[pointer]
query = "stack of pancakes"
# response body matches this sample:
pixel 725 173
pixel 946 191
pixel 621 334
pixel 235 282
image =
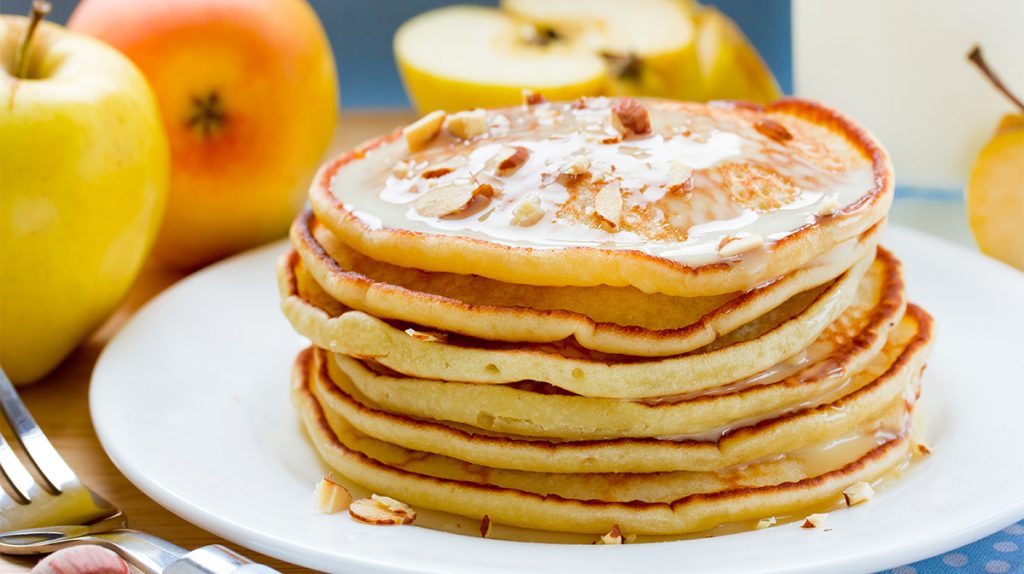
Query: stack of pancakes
pixel 566 316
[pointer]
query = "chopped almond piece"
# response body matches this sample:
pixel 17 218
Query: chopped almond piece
pixel 419 133
pixel 392 504
pixel 373 511
pixel 773 130
pixel 765 523
pixel 401 169
pixel 528 212
pixel 857 493
pixel 532 98
pixel 468 125
pixel 829 205
pixel 330 497
pixel 814 521
pixel 923 449
pixel 614 536
pixel 678 174
pixel 629 117
pixel 436 172
pixel 485 526
pixel 428 337
pixel 450 198
pixel 733 245
pixel 608 203
pixel 578 166
pixel 510 159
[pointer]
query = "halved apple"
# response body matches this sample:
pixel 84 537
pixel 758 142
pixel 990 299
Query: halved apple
pixel 730 67
pixel 467 56
pixel 462 57
pixel 647 45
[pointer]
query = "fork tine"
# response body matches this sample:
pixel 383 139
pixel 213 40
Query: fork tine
pixel 17 477
pixel 55 472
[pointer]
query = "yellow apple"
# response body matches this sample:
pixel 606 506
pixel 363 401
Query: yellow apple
pixel 730 67
pixel 248 94
pixel 995 194
pixel 84 178
pixel 995 189
pixel 461 57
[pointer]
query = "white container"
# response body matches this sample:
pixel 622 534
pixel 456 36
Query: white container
pixel 899 67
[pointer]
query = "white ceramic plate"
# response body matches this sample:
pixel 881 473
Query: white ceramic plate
pixel 191 402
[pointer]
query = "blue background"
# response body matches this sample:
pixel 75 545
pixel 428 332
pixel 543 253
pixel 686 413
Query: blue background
pixel 361 31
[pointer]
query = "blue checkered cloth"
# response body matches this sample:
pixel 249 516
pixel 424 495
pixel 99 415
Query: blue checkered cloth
pixel 1001 553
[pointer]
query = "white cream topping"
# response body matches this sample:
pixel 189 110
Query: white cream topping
pixel 734 180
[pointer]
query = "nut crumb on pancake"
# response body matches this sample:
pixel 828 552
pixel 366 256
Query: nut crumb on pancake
pixel 468 124
pixel 532 98
pixel 419 133
pixel 485 526
pixel 510 158
pixel 450 198
pixel 857 493
pixel 614 536
pixel 829 206
pixel 528 212
pixel 773 130
pixel 765 523
pixel 401 169
pixel 435 337
pixel 608 204
pixel 733 245
pixel 629 117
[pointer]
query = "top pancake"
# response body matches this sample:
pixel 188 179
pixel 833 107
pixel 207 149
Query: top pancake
pixel 717 197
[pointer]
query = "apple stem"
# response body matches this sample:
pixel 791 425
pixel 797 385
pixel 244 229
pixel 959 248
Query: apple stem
pixel 978 60
pixel 39 10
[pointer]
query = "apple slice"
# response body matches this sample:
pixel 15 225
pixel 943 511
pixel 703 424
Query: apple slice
pixel 647 44
pixel 730 67
pixel 463 57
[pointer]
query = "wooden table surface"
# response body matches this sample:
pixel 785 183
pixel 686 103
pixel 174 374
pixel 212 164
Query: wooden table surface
pixel 60 401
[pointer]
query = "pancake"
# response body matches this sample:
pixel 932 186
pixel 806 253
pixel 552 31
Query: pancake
pixel 781 333
pixel 846 347
pixel 662 503
pixel 711 199
pixel 617 320
pixel 867 393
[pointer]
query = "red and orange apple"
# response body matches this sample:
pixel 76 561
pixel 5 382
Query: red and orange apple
pixel 248 94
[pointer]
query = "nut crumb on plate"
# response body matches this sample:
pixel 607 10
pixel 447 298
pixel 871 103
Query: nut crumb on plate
pixel 814 520
pixel 381 510
pixel 330 497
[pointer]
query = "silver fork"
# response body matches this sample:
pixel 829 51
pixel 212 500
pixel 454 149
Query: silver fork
pixel 48 508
